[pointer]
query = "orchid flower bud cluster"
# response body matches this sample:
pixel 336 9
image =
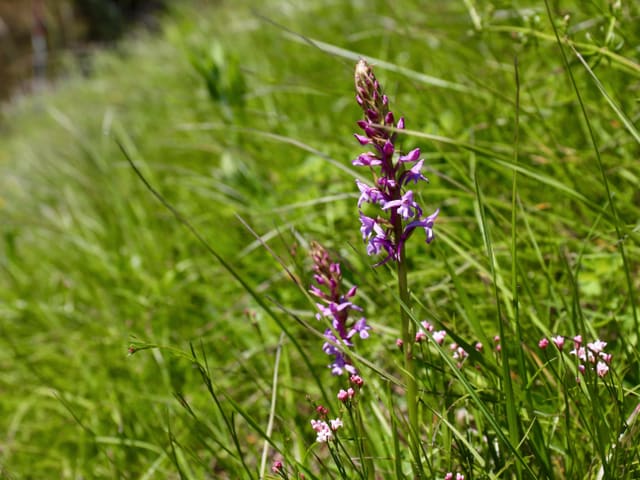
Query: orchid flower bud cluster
pixel 337 307
pixel 400 214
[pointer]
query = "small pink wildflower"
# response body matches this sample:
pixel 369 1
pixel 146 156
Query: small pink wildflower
pixel 544 343
pixel 594 354
pixel 597 346
pixel 276 467
pixel 558 340
pixel 449 476
pixel 356 380
pixel 323 431
pixel 336 424
pixel 399 343
pixel 479 346
pixel 427 326
pixel 606 357
pixel 344 395
pixel 602 369
pixel 324 435
pixel 439 336
pixel 322 411
pixel 579 352
pixel 583 354
pixel 459 353
pixel 421 336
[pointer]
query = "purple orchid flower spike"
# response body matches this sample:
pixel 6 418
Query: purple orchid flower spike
pixel 336 307
pixel 401 213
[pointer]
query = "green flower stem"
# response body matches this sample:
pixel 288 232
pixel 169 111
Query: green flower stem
pixel 408 338
pixel 367 470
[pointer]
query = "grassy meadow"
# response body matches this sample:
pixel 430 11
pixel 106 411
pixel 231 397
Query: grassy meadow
pixel 172 335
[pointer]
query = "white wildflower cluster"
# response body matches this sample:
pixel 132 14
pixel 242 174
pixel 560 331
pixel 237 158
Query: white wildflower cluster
pixel 325 430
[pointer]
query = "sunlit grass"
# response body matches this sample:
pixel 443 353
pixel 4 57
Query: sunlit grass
pixel 243 120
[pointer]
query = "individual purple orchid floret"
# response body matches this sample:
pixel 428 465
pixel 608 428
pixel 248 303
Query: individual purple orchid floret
pixel 406 207
pixel 368 194
pixel 425 223
pixel 386 234
pixel 367 160
pixel 412 156
pixel 367 227
pixel 414 174
pixel 380 242
pixel 361 328
pixel 336 307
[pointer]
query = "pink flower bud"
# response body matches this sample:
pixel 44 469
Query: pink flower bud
pixel 276 467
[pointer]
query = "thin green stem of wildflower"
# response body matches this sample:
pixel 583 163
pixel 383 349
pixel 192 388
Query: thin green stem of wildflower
pixel 336 458
pixel 358 432
pixel 366 458
pixel 408 337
